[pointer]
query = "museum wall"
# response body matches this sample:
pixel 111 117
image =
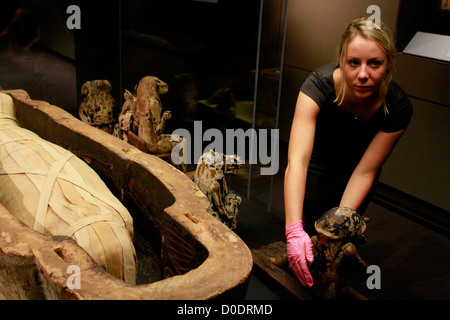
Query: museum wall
pixel 419 166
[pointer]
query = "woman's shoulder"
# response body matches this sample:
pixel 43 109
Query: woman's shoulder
pixel 319 85
pixel 396 96
pixel 396 91
pixel 399 109
pixel 325 72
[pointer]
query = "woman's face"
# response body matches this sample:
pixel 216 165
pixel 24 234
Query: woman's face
pixel 365 67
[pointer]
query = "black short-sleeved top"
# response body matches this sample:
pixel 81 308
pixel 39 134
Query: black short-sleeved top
pixel 340 140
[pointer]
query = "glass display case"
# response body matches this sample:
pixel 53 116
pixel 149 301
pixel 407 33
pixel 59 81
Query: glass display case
pixel 221 61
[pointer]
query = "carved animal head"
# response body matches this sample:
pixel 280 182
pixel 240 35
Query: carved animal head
pixel 227 163
pixel 95 86
pixel 127 118
pixel 152 86
pixel 98 104
pixel 340 223
pixel 148 103
pixel 129 104
pixel 130 98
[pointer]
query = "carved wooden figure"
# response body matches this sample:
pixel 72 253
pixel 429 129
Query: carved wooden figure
pixel 98 105
pixel 127 118
pixel 141 121
pixel 339 231
pixel 210 177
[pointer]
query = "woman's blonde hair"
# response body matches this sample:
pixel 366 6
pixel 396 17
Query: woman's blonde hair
pixel 379 33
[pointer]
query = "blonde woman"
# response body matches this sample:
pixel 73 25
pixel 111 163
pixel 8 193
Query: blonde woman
pixel 347 120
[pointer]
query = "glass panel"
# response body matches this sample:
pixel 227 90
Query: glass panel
pixel 205 51
pixel 265 187
pixel 97 48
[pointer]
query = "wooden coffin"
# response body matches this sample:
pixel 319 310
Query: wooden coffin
pixel 200 257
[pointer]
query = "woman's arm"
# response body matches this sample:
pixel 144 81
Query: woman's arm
pixel 298 243
pixel 301 143
pixel 363 177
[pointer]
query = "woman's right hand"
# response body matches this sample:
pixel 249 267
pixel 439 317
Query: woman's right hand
pixel 300 252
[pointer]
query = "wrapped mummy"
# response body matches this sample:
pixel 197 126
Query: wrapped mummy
pixel 56 193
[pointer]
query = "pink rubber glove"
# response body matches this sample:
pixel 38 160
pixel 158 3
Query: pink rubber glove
pixel 300 252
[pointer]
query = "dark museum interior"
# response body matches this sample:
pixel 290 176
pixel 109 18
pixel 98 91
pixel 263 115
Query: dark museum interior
pixel 252 57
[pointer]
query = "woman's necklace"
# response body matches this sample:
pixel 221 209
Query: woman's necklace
pixel 356 115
